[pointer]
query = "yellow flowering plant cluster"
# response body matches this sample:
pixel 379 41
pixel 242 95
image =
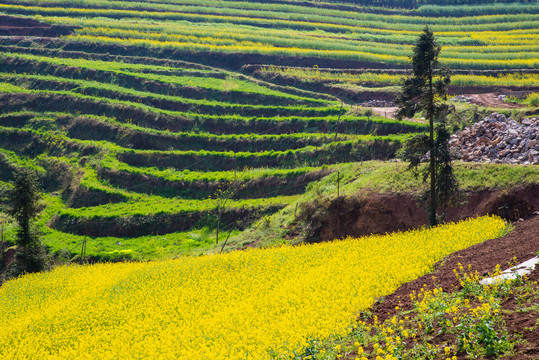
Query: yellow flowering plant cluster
pixel 390 79
pixel 257 304
pixel 441 325
pixel 472 42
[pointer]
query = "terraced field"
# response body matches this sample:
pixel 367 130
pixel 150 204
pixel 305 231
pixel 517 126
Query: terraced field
pixel 321 35
pixel 151 124
pixel 122 161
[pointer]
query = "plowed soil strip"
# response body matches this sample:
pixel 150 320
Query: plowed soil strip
pixel 522 243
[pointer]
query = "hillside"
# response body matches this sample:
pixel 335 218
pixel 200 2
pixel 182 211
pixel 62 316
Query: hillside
pixel 258 304
pixel 167 134
pixel 153 124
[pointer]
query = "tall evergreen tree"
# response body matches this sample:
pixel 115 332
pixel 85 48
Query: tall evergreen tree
pixel 421 92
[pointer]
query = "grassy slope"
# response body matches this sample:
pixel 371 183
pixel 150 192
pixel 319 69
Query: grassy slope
pixel 374 177
pixel 178 126
pixel 131 119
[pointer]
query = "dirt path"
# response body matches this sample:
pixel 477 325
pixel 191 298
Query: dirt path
pixel 387 112
pixel 491 100
pixel 486 99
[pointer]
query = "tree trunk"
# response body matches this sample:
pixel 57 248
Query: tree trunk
pixel 218 225
pixel 433 204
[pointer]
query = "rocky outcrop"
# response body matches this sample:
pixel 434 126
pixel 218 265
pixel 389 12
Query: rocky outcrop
pixel 497 139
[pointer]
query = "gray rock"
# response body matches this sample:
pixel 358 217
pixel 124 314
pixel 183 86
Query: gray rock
pixel 498 139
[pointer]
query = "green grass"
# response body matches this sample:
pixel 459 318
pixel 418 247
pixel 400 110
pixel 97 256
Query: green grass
pixel 208 176
pixel 385 177
pixel 373 80
pixel 41 82
pixel 151 247
pixel 155 205
pixel 374 177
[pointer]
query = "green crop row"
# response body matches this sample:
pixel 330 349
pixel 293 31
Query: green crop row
pixel 33 142
pixel 162 216
pixel 68 244
pixel 57 144
pixel 145 247
pixel 51 172
pixel 190 176
pixel 87 190
pixel 85 103
pixel 465 61
pixel 220 144
pixel 287 19
pixel 144 116
pixel 238 36
pixel 255 183
pixel 50 48
pixel 146 78
pixel 297 12
pixel 369 148
pixel 478 10
pixel 285 28
pixel 353 10
pixel 151 205
pixel 131 136
pixel 10 163
pixel 171 103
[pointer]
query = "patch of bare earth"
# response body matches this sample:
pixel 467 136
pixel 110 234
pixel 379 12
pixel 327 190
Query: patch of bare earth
pixel 491 100
pixel 378 214
pixel 387 112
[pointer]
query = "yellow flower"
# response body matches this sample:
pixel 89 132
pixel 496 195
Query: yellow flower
pixel 221 306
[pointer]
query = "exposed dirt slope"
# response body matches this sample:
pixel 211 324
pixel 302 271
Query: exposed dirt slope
pixel 379 214
pixel 16 26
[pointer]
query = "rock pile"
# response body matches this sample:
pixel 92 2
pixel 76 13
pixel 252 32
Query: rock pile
pixel 497 139
pixel 461 98
pixel 378 103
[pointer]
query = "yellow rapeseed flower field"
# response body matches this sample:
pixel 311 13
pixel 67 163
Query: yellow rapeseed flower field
pixel 242 305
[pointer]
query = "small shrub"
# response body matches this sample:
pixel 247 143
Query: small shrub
pixel 115 256
pixel 533 99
